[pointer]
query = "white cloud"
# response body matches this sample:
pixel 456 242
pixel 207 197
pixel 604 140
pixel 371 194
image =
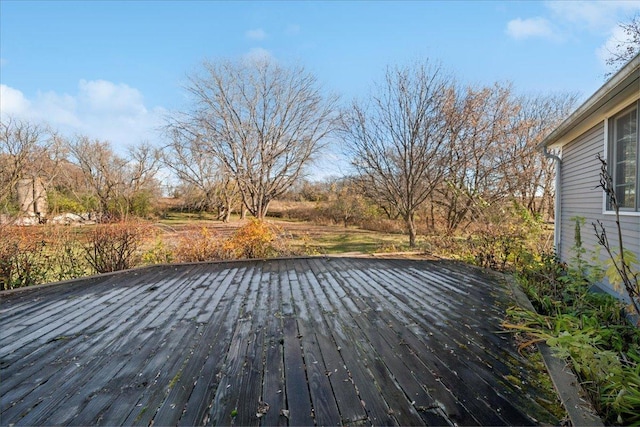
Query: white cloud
pixel 575 20
pixel 12 101
pixel 102 95
pixel 57 110
pixel 100 109
pixel 531 27
pixel 256 34
pixel 594 15
pixel 258 55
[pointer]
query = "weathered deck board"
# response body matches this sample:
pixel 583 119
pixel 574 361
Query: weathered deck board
pixel 347 399
pixel 52 382
pixel 325 408
pixel 499 357
pixel 399 406
pixel 207 358
pixel 273 375
pixel 451 370
pixel 370 323
pixel 226 396
pixel 249 389
pixel 368 392
pixel 321 341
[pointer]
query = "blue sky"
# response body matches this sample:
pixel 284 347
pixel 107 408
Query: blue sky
pixel 112 70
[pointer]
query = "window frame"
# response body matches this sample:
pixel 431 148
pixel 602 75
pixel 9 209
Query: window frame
pixel 610 153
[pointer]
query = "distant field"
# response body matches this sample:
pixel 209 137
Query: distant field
pixel 317 239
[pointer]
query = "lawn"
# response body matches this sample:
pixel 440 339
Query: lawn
pixel 306 236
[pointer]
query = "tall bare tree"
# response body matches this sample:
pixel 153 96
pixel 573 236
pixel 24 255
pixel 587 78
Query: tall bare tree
pixel 101 169
pixel 140 179
pixel 494 156
pixel 27 150
pixel 480 128
pixel 529 175
pixel 398 138
pixel 262 121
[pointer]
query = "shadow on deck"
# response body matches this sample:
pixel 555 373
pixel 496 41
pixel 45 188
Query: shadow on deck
pixel 297 341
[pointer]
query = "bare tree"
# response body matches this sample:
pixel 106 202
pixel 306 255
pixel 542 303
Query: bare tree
pixel 197 169
pixel 27 150
pixel 494 156
pixel 626 48
pixel 530 174
pixel 480 131
pixel 112 179
pixel 398 139
pixel 101 169
pixel 262 121
pixel 142 166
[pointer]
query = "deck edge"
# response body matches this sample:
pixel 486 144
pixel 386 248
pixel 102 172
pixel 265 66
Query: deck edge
pixel 568 388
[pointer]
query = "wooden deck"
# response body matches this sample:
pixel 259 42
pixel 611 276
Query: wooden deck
pixel 322 341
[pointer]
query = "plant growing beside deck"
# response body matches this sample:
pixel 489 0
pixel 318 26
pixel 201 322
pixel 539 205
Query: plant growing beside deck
pixel 621 262
pixel 587 329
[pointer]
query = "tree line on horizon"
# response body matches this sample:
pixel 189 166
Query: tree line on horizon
pixel 421 144
pixel 424 148
pixel 419 139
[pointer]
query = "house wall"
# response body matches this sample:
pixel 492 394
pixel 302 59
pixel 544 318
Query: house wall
pixel 580 196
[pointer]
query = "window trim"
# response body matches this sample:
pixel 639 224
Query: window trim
pixel 606 210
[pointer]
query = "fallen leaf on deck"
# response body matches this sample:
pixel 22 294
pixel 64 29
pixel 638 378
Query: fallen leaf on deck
pixel 263 408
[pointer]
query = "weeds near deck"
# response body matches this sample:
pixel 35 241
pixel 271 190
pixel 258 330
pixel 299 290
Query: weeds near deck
pixel 36 255
pixel 505 242
pixel 587 329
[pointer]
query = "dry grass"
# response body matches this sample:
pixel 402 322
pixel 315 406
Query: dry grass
pixel 302 236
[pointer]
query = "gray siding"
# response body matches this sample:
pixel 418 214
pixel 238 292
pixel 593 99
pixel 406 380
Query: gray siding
pixel 580 197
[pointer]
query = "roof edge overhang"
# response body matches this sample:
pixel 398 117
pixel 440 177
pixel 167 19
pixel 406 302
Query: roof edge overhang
pixel 623 87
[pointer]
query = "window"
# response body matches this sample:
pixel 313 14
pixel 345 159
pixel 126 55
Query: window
pixel 624 157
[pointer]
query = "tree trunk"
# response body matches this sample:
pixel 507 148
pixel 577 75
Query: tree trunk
pixel 227 214
pixel 433 216
pixel 261 211
pixel 411 225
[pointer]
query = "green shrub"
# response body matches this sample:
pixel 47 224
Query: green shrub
pixel 159 253
pixel 604 354
pixel 63 203
pixel 65 254
pixel 141 204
